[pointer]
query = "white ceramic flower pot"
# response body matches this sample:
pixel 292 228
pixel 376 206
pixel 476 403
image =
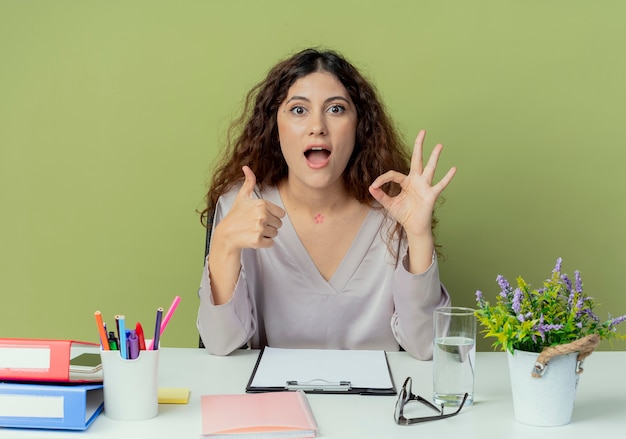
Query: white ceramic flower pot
pixel 547 401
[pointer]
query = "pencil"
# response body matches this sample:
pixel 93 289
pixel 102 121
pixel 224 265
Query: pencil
pixel 157 329
pixel 169 313
pixel 104 341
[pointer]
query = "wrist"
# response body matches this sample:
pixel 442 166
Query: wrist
pixel 420 253
pixel 222 244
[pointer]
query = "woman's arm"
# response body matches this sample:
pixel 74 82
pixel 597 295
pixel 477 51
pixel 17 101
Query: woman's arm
pixel 413 207
pixel 226 313
pixel 415 298
pixel 249 223
pixel 225 328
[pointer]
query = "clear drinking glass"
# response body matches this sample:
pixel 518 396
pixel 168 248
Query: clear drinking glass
pixel 454 355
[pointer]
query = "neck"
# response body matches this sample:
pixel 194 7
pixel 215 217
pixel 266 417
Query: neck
pixel 314 201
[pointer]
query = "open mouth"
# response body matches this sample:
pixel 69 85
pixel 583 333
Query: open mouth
pixel 317 155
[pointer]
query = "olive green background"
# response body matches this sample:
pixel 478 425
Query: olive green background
pixel 112 111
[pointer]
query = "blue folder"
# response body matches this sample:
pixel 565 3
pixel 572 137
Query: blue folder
pixel 50 406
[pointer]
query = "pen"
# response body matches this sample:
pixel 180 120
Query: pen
pixel 157 329
pixel 122 335
pixel 133 345
pixel 103 335
pixel 140 336
pixel 117 327
pixel 112 341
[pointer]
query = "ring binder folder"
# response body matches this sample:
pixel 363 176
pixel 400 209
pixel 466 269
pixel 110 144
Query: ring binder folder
pixel 319 385
pixel 44 360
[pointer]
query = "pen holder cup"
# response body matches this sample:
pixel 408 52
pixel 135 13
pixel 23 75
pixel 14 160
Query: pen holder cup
pixel 130 386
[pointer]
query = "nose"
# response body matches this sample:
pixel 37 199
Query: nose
pixel 317 126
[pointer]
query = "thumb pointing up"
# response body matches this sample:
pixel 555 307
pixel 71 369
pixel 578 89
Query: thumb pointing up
pixel 248 184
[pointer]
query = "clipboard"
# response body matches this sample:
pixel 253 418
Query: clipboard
pixel 327 371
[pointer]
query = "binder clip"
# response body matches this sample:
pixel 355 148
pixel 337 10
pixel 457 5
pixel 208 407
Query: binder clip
pixel 319 385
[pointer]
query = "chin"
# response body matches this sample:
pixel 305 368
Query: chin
pixel 323 183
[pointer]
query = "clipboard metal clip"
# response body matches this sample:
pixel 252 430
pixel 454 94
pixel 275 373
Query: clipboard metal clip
pixel 319 385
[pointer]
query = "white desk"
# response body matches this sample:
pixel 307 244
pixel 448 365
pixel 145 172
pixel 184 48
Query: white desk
pixel 600 407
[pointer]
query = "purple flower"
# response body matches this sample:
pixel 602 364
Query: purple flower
pixel 590 314
pixel 479 297
pixel 616 321
pixel 557 268
pixel 523 317
pixel 543 328
pixel 517 301
pixel 504 286
pixel 567 282
pixel 580 303
pixel 570 299
pixel 549 327
pixel 579 282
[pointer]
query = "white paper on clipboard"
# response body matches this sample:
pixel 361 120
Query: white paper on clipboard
pixel 367 369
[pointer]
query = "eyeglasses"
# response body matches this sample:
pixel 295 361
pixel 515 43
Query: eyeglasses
pixel 406 395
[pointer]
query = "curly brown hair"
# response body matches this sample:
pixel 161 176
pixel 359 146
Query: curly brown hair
pixel 253 137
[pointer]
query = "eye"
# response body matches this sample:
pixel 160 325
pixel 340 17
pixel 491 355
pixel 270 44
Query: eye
pixel 336 109
pixel 298 110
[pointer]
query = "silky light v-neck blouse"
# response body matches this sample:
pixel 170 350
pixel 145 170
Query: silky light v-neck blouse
pixel 282 300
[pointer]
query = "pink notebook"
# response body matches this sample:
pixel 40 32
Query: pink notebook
pixel 272 414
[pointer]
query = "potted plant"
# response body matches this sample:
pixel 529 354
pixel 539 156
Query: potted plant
pixel 554 324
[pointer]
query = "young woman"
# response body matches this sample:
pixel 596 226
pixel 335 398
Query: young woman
pixel 322 222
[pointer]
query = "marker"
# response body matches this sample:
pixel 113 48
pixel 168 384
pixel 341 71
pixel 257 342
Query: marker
pixel 103 335
pixel 123 346
pixel 140 336
pixel 112 341
pixel 127 333
pixel 169 314
pixel 133 345
pixel 157 329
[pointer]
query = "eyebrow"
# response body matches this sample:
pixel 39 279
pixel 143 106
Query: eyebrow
pixel 303 98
